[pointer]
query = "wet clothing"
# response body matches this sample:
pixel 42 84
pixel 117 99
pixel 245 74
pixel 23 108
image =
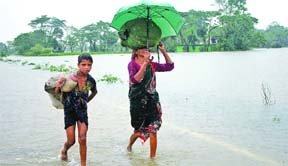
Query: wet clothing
pixel 145 117
pixel 75 103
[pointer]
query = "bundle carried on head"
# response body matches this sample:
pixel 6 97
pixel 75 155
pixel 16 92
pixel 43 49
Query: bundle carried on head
pixel 133 34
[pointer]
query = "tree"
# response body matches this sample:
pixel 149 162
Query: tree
pixel 258 39
pixel 71 39
pixel 276 36
pixel 54 29
pixel 92 35
pixel 235 32
pixel 198 27
pixel 3 49
pixel 231 7
pixel 40 23
pixel 25 41
pixel 99 36
pixel 107 36
pixel 236 27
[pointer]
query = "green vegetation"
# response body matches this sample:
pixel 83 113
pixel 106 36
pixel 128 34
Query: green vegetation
pixel 109 78
pixel 2 59
pixel 267 94
pixel 54 68
pixel 276 36
pixel 276 119
pixel 229 28
pixel 39 50
pixel 47 66
pixel 3 50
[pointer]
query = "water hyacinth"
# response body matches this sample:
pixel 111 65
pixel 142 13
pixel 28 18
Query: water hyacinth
pixel 109 78
pixel 63 68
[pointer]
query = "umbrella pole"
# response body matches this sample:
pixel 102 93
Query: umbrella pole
pixel 147 32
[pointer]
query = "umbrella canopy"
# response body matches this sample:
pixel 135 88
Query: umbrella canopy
pixel 162 14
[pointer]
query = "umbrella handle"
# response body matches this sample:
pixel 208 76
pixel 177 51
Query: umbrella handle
pixel 159 45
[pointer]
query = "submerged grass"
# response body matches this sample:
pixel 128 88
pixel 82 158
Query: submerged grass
pixel 63 68
pixel 110 79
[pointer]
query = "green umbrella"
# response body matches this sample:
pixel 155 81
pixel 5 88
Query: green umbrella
pixel 162 15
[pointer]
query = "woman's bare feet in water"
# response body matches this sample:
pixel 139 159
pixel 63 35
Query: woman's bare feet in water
pixel 129 148
pixel 63 155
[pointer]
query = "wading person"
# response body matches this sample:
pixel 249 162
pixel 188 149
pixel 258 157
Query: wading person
pixel 145 108
pixel 75 106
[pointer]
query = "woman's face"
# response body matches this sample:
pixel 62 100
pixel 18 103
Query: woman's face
pixel 143 55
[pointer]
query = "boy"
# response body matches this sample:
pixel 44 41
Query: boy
pixel 75 106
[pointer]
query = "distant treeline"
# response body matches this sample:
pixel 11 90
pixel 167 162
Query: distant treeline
pixel 229 28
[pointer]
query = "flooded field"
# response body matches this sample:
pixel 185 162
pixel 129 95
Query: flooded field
pixel 213 112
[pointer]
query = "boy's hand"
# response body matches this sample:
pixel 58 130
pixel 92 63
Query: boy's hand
pixel 60 82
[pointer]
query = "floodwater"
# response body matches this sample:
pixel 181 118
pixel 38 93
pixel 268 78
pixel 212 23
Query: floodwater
pixel 212 102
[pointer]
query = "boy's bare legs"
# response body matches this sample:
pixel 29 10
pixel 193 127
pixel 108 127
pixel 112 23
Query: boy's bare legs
pixel 133 138
pixel 70 134
pixel 82 135
pixel 153 144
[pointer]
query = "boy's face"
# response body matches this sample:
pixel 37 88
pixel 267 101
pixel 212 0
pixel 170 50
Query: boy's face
pixel 85 66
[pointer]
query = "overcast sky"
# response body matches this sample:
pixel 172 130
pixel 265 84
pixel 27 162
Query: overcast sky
pixel 16 14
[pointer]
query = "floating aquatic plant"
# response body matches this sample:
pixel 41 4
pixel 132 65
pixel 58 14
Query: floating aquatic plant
pixel 53 68
pixel 276 119
pixel 109 78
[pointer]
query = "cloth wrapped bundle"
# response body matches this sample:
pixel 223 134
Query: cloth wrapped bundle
pixel 133 34
pixel 50 85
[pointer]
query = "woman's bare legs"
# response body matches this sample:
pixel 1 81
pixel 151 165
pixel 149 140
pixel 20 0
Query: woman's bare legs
pixel 133 138
pixel 153 145
pixel 153 138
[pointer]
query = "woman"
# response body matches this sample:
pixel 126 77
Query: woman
pixel 145 108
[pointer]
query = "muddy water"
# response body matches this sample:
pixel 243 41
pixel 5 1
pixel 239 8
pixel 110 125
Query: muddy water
pixel 212 102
